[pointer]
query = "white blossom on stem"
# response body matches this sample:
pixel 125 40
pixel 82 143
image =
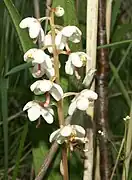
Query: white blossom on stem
pixel 76 60
pixel 82 101
pixel 68 133
pixel 71 33
pixel 42 63
pixel 33 26
pixel 42 86
pixel 35 111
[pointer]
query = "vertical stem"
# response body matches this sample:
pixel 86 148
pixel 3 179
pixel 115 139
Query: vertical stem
pixel 102 90
pixel 59 103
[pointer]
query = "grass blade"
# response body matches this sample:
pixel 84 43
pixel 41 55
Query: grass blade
pixel 20 150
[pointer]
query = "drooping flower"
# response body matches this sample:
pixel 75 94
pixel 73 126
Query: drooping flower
pixel 76 60
pixel 82 101
pixel 59 11
pixel 42 86
pixel 71 33
pixel 42 63
pixel 35 111
pixel 33 26
pixel 68 133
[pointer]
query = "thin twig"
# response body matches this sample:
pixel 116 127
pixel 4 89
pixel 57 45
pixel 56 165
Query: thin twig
pixel 47 161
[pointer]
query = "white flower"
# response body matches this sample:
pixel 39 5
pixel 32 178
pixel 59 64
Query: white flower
pixel 82 101
pixel 35 111
pixel 126 118
pixel 77 59
pixel 34 27
pixel 42 63
pixel 101 132
pixel 48 42
pixel 59 11
pixel 71 33
pixel 41 86
pixel 68 133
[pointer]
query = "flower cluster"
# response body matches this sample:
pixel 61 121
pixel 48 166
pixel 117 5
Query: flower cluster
pixel 43 67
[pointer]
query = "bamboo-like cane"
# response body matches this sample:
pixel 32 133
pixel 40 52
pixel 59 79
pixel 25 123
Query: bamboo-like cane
pixel 91 46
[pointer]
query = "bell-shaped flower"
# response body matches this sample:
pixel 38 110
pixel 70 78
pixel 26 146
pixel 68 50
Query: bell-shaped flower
pixel 71 33
pixel 33 26
pixel 76 60
pixel 82 101
pixel 59 11
pixel 42 86
pixel 35 111
pixel 42 63
pixel 69 134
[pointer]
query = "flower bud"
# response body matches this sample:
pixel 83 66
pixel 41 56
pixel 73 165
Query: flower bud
pixel 59 11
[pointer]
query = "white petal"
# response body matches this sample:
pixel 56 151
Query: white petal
pixel 51 111
pixel 33 113
pixel 41 86
pixel 39 56
pixel 47 116
pixel 56 91
pixel 34 29
pixel 54 135
pixel 69 68
pixel 48 62
pixel 68 30
pixel 25 22
pixel 28 105
pixel 60 41
pixel 75 59
pixel 79 130
pixel 72 108
pixel 66 131
pixel 61 140
pixel 58 38
pixel 48 42
pixel 73 33
pixel 42 35
pixel 89 94
pixel 82 103
pixel 50 72
pixel 30 53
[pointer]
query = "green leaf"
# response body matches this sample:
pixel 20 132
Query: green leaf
pixel 4 113
pixel 19 68
pixel 20 150
pixel 22 34
pixel 121 31
pixel 120 84
pixel 115 12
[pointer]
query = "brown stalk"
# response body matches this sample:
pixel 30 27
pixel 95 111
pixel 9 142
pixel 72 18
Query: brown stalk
pixel 59 103
pixel 102 90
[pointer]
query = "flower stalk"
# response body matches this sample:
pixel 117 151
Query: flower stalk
pixel 59 103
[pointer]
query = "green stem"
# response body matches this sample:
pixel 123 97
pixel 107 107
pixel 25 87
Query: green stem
pixel 59 103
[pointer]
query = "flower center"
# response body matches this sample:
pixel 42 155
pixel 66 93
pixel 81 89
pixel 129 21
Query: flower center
pixel 83 59
pixel 30 56
pixel 73 136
